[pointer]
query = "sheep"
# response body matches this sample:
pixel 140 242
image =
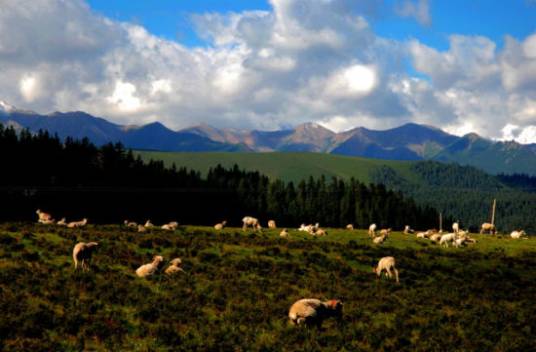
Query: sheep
pixel 76 224
pixel 456 227
pixel 62 222
pixel 312 311
pixel 220 225
pixel 372 230
pixel 271 224
pixel 385 232
pixel 487 227
pixel 249 221
pixel 47 222
pixel 408 230
pixel 350 227
pixel 283 233
pixel 151 268
pixel 380 239
pixel 171 226
pixel 174 267
pixel 82 254
pixel 148 224
pixel 387 264
pixel 436 237
pixel 421 235
pixel 141 229
pixel 44 218
pixel 459 242
pixel 517 234
pixel 445 239
pixel 131 224
pixel 319 232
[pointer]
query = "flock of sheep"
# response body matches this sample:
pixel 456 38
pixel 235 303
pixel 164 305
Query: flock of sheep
pixel 307 311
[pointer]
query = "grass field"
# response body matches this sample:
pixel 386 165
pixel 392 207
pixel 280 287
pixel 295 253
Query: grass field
pixel 285 166
pixel 239 286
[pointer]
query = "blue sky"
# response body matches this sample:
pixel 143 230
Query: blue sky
pixel 491 18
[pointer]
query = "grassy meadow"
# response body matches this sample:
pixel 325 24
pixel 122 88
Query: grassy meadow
pixel 239 285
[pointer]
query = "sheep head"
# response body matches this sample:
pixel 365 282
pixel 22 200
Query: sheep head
pixel 334 308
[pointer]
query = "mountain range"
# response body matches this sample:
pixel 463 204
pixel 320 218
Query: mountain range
pixel 407 142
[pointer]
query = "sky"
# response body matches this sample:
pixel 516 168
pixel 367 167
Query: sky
pixel 463 66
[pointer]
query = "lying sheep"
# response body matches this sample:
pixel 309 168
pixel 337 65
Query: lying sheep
pixel 151 268
pixel 44 218
pixel 350 227
pixel 283 233
pixel 487 227
pixel 372 230
pixel 148 224
pixel 312 311
pixel 380 239
pixel 311 229
pixel 319 233
pixel 271 224
pixel 517 234
pixel 142 229
pixel 387 264
pixel 408 230
pixel 249 221
pixel 130 224
pixel 174 267
pixel 172 226
pixel 220 225
pixel 76 224
pixel 446 239
pixel 82 254
pixel 62 222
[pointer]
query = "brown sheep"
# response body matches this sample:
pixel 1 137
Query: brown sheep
pixel 82 254
pixel 312 311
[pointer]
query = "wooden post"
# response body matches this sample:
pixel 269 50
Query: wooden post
pixel 440 222
pixel 493 212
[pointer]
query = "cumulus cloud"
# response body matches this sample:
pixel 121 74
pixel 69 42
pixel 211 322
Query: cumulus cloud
pixel 301 61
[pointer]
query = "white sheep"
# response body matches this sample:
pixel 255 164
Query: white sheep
pixel 148 224
pixel 350 227
pixel 62 222
pixel 220 225
pixel 380 239
pixel 385 232
pixel 436 237
pixel 130 224
pixel 445 239
pixel 319 232
pixel 456 227
pixel 283 233
pixel 517 234
pixel 174 267
pixel 271 224
pixel 171 226
pixel 82 254
pixel 44 218
pixel 76 224
pixel 142 229
pixel 372 230
pixel 151 268
pixel 421 235
pixel 387 264
pixel 488 227
pixel 249 221
pixel 312 311
pixel 408 230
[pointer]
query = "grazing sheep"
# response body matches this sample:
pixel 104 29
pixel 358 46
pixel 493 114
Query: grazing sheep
pixel 456 227
pixel 350 227
pixel 141 229
pixel 172 226
pixel 372 230
pixel 408 230
pixel 44 218
pixel 380 239
pixel 312 311
pixel 151 268
pixel 82 254
pixel 131 224
pixel 445 239
pixel 271 224
pixel 387 264
pixel 174 267
pixel 75 224
pixel 517 234
pixel 148 224
pixel 487 227
pixel 62 222
pixel 283 233
pixel 249 221
pixel 220 226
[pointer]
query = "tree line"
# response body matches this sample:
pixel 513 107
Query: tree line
pixel 74 178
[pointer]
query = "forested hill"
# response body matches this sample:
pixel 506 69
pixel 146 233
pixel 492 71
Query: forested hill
pixel 75 179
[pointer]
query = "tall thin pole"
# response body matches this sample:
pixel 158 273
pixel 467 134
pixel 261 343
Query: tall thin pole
pixel 440 222
pixel 493 212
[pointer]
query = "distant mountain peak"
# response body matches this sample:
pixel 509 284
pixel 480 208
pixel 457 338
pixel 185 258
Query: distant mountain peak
pixel 472 136
pixel 6 107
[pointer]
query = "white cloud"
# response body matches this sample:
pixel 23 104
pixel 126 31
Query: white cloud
pixel 301 61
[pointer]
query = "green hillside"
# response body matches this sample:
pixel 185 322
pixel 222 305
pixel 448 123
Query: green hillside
pixel 286 166
pixel 238 287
